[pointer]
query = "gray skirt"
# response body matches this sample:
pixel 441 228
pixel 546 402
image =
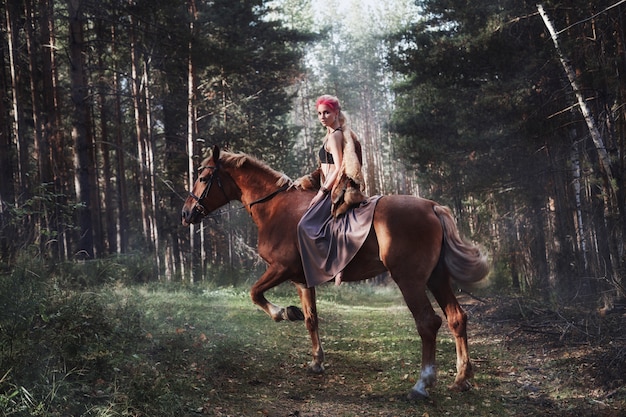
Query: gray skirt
pixel 328 244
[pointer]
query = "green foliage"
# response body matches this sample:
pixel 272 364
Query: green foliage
pixel 58 342
pixel 165 349
pixel 485 112
pixel 54 213
pixel 246 62
pixel 129 268
pixel 243 61
pixel 22 297
pixel 461 103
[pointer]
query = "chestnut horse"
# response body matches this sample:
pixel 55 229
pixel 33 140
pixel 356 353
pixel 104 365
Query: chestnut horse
pixel 415 239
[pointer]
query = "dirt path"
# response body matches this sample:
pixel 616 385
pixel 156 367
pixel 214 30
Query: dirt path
pixel 529 360
pixel 552 362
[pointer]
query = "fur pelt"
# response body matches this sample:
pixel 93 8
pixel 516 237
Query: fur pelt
pixel 348 188
pixel 310 181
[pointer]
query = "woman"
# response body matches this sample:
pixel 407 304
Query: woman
pixel 339 216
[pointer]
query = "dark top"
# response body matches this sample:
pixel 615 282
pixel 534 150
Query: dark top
pixel 325 156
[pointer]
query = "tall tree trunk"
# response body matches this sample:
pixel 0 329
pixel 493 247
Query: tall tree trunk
pixel 172 116
pixel 191 124
pixel 95 181
pixel 620 134
pixel 19 125
pixel 52 166
pixel 7 155
pixel 603 264
pixel 105 144
pixel 370 147
pixel 581 235
pixel 80 130
pixel 49 115
pixel 152 186
pixel 538 245
pixel 40 218
pixel 122 225
pixel 35 78
pixel 139 107
pixel 565 276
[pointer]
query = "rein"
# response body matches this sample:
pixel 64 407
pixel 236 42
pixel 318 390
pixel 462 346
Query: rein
pixel 269 196
pixel 215 175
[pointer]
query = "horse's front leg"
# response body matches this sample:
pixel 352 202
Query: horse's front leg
pixel 272 277
pixel 309 306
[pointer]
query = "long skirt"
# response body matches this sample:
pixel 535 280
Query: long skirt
pixel 328 244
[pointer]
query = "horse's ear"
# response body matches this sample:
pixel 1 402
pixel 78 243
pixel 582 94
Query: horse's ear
pixel 216 153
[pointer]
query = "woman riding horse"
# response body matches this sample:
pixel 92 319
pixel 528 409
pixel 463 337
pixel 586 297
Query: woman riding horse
pixel 415 239
pixel 339 216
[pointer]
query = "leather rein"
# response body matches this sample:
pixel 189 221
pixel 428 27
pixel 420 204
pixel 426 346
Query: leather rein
pixel 208 180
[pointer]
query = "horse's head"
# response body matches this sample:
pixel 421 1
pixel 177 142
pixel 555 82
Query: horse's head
pixel 208 193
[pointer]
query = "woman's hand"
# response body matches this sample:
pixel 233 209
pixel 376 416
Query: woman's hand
pixel 320 194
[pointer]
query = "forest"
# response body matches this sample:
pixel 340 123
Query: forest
pixel 108 106
pixel 512 113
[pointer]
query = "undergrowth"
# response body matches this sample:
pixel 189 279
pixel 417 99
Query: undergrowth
pixel 92 339
pixel 63 328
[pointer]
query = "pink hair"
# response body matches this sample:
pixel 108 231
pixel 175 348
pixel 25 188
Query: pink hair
pixel 330 101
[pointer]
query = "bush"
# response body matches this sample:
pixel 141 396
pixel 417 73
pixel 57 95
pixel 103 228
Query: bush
pixel 58 342
pixel 22 296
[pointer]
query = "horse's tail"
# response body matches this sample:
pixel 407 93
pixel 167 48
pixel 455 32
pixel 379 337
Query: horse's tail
pixel 465 261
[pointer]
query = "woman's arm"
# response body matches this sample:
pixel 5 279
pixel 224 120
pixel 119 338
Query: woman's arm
pixel 335 147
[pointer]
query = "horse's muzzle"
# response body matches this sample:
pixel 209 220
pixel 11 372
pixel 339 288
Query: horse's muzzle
pixel 185 218
pixel 191 216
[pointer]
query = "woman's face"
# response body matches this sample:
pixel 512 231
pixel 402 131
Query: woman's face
pixel 326 115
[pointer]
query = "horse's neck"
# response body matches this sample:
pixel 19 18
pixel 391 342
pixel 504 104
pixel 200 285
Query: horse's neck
pixel 256 186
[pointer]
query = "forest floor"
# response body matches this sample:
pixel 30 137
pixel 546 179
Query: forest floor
pixel 529 360
pixel 157 351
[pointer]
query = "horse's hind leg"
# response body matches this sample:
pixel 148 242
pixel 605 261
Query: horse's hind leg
pixel 428 324
pixel 439 285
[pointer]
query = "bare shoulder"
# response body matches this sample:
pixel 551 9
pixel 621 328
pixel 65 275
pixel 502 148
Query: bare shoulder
pixel 335 140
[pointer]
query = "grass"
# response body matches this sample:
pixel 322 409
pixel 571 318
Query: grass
pixel 174 350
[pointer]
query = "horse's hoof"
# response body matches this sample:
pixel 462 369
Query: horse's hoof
pixel 294 314
pixel 460 386
pixel 415 395
pixel 316 368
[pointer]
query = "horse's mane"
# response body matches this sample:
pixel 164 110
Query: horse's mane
pixel 238 160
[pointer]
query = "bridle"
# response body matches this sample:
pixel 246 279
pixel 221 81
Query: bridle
pixel 209 183
pixel 208 180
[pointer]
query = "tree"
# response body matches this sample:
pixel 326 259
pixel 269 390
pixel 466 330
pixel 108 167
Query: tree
pixel 130 85
pixel 486 113
pixel 83 161
pixel 7 152
pixel 348 60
